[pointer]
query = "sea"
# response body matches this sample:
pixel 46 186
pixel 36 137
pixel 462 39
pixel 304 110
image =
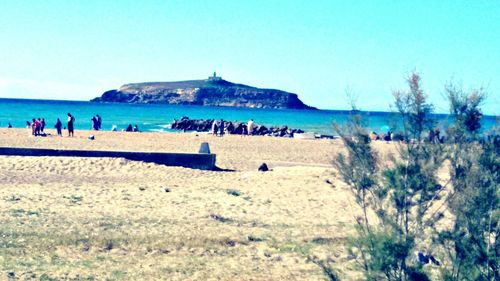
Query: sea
pixel 158 117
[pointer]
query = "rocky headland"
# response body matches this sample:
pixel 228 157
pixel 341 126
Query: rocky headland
pixel 213 91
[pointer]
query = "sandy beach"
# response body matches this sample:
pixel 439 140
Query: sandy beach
pixel 113 219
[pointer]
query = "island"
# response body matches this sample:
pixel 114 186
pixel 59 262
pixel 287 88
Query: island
pixel 213 91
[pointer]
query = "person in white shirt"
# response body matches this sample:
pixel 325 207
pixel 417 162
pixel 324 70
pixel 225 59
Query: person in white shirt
pixel 71 123
pixel 250 126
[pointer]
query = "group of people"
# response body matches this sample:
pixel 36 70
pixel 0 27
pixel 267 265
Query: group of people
pixel 218 128
pixel 37 126
pixel 96 122
pixel 434 136
pixel 132 129
pixel 386 137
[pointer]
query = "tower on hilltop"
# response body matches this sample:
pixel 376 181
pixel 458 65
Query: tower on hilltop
pixel 214 78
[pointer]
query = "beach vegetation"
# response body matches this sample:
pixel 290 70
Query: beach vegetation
pixel 404 201
pixel 220 218
pixel 254 238
pixel 233 192
pixel 472 243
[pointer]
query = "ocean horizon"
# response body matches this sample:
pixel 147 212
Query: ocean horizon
pixel 158 117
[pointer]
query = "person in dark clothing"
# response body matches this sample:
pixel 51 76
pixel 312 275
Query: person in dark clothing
pixel 387 137
pixel 38 127
pixel 129 128
pixel 71 124
pixel 58 127
pixel 221 128
pixel 9 125
pixel 135 129
pixel 230 128
pixel 42 125
pixel 437 137
pixel 95 125
pixel 99 122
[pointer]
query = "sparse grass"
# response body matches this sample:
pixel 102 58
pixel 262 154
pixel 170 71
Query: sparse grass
pixel 253 238
pixel 12 198
pixel 221 218
pixel 118 274
pixel 233 192
pixel 114 252
pixel 22 212
pixel 74 199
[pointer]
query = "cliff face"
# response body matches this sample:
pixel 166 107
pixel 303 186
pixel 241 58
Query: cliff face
pixel 203 92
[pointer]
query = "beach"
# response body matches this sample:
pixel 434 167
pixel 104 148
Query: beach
pixel 113 219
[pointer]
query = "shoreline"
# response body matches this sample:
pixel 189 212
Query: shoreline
pixel 233 152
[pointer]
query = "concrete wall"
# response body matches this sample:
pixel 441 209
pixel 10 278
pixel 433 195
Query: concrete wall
pixel 188 160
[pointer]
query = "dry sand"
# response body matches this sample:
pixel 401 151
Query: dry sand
pixel 113 219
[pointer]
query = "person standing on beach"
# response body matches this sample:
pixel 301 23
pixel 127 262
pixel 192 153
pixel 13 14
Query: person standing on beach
pixel 250 127
pixel 38 125
pixel 95 126
pixel 33 126
pixel 9 125
pixel 42 125
pixel 58 127
pixel 221 128
pixel 99 121
pixel 214 128
pixel 71 123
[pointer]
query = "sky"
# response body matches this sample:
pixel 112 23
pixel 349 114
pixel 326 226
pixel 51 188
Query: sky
pixel 321 50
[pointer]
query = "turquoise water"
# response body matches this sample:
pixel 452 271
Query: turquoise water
pixel 156 117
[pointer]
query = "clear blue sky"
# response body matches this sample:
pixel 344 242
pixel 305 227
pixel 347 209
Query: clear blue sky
pixel 317 49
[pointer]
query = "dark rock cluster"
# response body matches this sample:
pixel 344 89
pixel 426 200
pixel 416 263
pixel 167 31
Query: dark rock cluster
pixel 233 128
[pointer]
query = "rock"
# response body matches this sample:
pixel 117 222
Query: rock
pixel 220 218
pixel 208 92
pixel 86 247
pixel 239 128
pixel 260 130
pixel 277 258
pixel 233 128
pixel 108 246
pixel 230 243
pixel 263 167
